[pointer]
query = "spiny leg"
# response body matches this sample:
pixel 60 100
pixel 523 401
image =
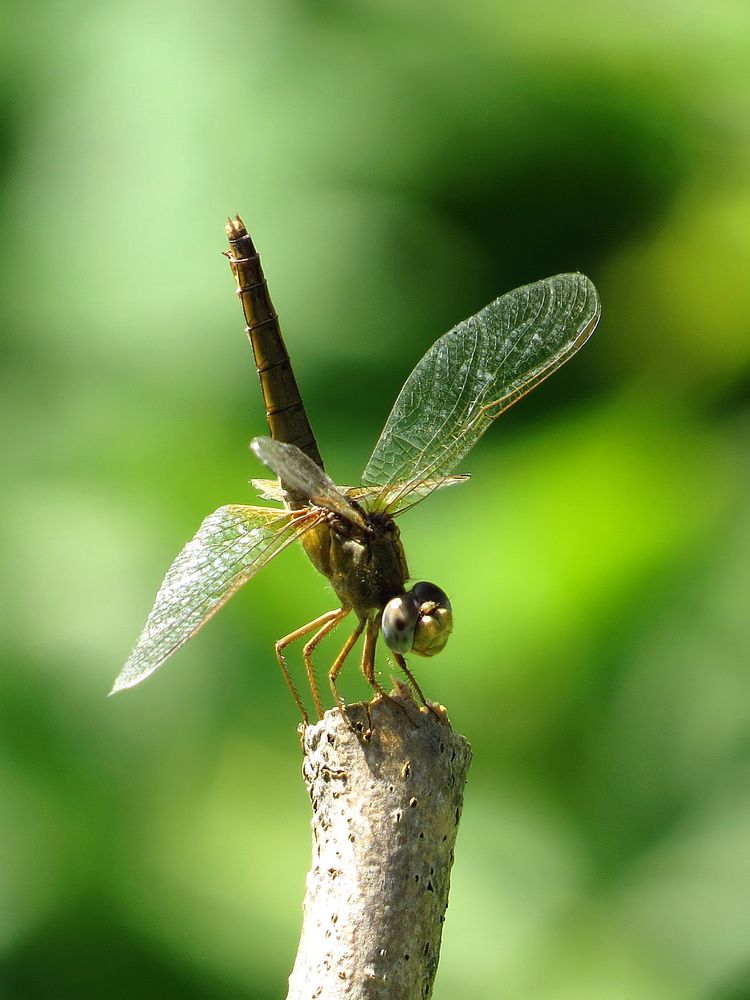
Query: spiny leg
pixel 281 646
pixel 368 665
pixel 339 661
pixel 332 619
pixel 368 657
pixel 413 681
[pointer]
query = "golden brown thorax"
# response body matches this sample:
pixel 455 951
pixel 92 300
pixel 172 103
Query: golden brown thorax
pixel 366 569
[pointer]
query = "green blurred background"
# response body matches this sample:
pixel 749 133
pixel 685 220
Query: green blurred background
pixel 399 165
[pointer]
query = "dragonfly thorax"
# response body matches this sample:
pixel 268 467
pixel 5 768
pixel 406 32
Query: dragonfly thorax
pixel 366 567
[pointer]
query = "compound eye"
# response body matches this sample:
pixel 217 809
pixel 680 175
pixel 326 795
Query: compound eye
pixel 435 622
pixel 400 617
pixel 427 593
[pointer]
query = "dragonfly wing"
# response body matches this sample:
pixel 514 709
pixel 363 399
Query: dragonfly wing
pixel 301 477
pixel 398 497
pixel 269 489
pixel 393 497
pixel 475 372
pixel 230 547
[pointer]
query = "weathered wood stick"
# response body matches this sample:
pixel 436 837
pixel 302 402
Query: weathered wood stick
pixel 386 784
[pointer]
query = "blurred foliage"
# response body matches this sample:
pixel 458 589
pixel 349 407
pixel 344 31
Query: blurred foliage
pixel 399 164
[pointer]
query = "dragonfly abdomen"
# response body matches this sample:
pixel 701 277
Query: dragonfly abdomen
pixel 285 411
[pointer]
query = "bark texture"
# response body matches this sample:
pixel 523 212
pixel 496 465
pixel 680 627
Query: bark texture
pixel 386 784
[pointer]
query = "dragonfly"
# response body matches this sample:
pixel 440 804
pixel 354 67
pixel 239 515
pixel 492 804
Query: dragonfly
pixel 464 382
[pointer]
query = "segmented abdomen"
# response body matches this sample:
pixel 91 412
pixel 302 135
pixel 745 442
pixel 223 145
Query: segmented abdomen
pixel 285 411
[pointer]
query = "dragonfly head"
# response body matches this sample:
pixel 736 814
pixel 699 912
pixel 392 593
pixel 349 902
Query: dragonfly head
pixel 418 621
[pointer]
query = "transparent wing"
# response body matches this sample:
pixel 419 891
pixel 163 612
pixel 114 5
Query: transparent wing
pixel 301 477
pixel 271 489
pixel 231 545
pixel 395 498
pixel 471 375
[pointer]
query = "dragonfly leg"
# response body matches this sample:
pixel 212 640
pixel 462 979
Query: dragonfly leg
pixel 290 684
pixel 281 645
pixel 329 622
pixel 368 666
pixel 339 661
pixel 413 681
pixel 368 657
